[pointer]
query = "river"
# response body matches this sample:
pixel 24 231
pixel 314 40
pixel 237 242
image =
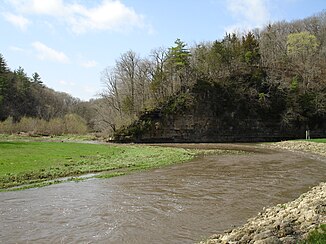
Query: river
pixel 183 203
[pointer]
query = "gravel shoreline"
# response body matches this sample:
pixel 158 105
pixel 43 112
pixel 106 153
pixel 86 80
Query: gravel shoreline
pixel 300 146
pixel 285 223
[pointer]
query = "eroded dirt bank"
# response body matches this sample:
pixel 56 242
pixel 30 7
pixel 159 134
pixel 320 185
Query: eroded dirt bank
pixel 284 223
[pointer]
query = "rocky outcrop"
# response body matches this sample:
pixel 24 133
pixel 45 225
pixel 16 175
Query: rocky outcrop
pixel 284 223
pixel 214 113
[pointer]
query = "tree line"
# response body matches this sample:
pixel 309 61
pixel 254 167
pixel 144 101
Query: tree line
pixel 279 69
pixel 27 105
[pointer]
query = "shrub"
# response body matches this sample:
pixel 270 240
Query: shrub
pixel 26 125
pixel 7 127
pixel 55 127
pixel 74 124
pixel 70 124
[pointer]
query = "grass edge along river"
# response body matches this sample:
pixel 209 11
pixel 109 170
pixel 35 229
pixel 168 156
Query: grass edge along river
pixel 33 164
pixel 28 162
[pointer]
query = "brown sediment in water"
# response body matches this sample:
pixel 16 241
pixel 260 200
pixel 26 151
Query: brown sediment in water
pixel 285 223
pixel 182 203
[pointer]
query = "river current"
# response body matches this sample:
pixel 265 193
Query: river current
pixel 184 203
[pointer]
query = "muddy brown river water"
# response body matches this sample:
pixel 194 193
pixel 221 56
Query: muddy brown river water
pixel 178 204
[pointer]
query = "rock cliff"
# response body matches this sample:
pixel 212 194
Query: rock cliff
pixel 214 113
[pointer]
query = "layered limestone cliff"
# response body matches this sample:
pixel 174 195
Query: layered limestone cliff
pixel 211 113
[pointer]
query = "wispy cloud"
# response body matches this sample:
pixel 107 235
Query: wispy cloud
pixel 17 49
pixel 67 83
pixel 108 15
pixel 17 20
pixel 48 7
pixel 88 64
pixel 46 53
pixel 248 13
pixel 89 89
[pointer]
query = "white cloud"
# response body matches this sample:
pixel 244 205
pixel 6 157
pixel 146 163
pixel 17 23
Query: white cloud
pixel 16 49
pixel 67 83
pixel 89 89
pixel 47 7
pixel 46 53
pixel 248 13
pixel 17 20
pixel 89 64
pixel 108 15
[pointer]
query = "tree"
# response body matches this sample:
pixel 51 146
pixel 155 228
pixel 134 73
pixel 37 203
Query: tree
pixel 179 61
pixel 159 81
pixel 251 50
pixel 143 80
pixel 4 71
pixel 125 70
pixel 112 92
pixel 36 79
pixel 302 45
pixel 301 48
pixel 3 65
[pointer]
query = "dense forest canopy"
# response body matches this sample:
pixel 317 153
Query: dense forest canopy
pixel 279 70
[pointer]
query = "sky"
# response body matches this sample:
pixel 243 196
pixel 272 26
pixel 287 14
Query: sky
pixel 70 42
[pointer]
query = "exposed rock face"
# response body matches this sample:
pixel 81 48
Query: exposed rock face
pixel 210 114
pixel 284 223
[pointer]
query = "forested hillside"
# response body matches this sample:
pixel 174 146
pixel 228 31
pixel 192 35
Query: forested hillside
pixel 276 75
pixel 27 100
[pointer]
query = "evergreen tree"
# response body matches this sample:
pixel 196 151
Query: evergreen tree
pixel 179 61
pixel 36 79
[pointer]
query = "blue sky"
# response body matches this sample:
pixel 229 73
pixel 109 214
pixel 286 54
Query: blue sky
pixel 69 42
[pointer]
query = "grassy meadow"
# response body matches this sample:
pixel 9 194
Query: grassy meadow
pixel 35 163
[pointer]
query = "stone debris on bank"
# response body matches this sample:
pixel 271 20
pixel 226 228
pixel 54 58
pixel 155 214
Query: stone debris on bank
pixel 302 146
pixel 284 223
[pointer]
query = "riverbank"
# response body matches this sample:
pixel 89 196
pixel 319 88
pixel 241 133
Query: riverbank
pixel 298 221
pixel 27 164
pixel 318 148
pixel 285 223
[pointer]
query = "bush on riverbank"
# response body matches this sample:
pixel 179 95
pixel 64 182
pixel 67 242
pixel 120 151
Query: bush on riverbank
pixel 69 124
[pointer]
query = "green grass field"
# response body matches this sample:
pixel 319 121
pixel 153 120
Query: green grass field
pixel 321 140
pixel 37 162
